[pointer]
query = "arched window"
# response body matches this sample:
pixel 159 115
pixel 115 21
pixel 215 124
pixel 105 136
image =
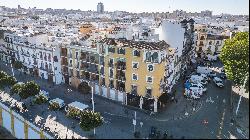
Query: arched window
pixel 202 38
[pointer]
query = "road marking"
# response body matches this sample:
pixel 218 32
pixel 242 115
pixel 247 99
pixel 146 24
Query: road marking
pixel 221 124
pixel 115 115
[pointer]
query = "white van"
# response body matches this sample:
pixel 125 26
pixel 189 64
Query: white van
pixel 76 106
pixel 204 70
pixel 195 78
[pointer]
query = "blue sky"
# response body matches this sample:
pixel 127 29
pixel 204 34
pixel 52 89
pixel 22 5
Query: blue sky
pixel 217 6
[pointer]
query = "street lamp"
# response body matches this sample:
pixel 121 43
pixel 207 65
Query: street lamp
pixel 12 69
pixel 93 104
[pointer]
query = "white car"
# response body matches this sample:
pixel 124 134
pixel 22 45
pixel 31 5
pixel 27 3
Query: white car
pixel 204 76
pixel 200 86
pixel 218 82
pixel 192 94
pixel 212 74
pixel 203 82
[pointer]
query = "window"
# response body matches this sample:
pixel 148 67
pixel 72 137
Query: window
pixel 102 60
pixel 111 83
pixel 200 49
pixel 111 62
pixel 148 92
pixel 111 73
pixel 111 49
pixel 70 63
pixel 102 70
pixel 76 55
pixel 103 81
pixel 148 56
pixel 135 65
pixel 202 38
pixel 201 43
pixel 155 57
pixel 136 53
pixel 134 89
pixel 121 51
pixel 150 67
pixel 149 79
pixel 134 77
pixel 210 42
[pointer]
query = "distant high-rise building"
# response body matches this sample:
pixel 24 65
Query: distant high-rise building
pixel 19 7
pixel 100 7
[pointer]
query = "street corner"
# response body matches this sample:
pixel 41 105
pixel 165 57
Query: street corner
pixel 181 111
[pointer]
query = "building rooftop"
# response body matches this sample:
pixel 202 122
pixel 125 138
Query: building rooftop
pixel 161 45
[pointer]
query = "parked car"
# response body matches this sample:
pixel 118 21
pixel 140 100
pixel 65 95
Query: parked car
pixel 203 70
pixel 196 90
pixel 198 85
pixel 212 74
pixel 193 94
pixel 218 82
pixel 204 76
pixel 204 82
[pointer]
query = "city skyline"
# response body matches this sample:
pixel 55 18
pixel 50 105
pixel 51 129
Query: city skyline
pixel 231 6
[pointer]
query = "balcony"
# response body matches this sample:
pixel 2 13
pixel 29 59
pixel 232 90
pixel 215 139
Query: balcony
pixel 120 75
pixel 120 86
pixel 111 65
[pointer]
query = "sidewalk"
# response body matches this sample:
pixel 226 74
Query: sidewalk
pixel 172 111
pixel 181 109
pixel 241 120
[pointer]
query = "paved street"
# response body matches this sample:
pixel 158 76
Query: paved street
pixel 213 107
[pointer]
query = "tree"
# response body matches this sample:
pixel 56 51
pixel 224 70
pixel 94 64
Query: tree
pixel 3 74
pixel 90 120
pixel 235 57
pixel 7 81
pixel 84 88
pixel 40 99
pixel 16 88
pixel 29 89
pixel 11 81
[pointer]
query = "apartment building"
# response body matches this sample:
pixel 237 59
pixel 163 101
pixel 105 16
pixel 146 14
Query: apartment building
pixel 132 72
pixel 208 43
pixel 39 59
